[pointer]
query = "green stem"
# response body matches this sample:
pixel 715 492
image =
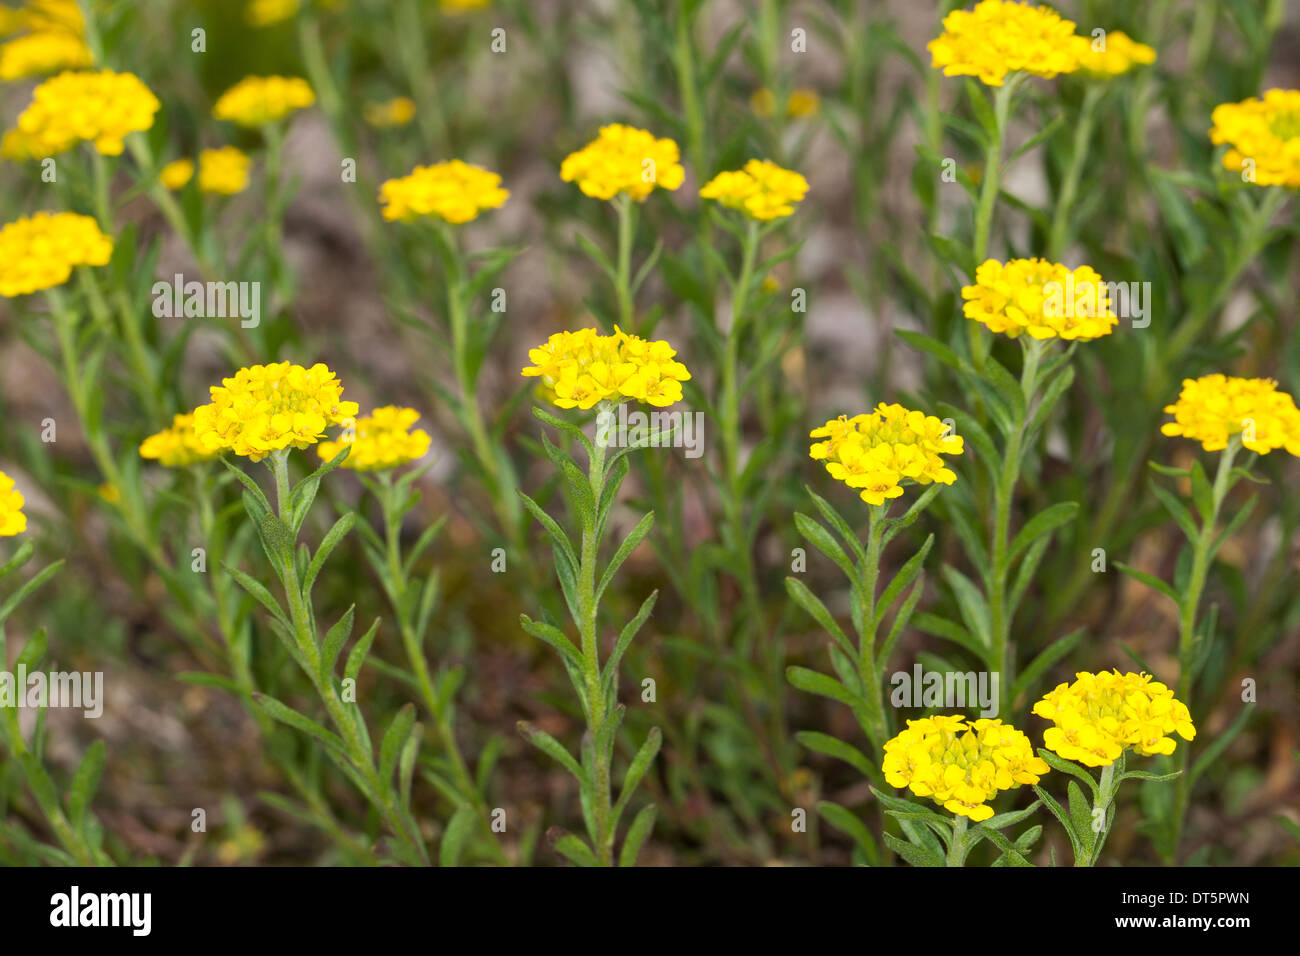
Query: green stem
pixel 870 577
pixel 623 282
pixel 957 845
pixel 989 193
pixel 1070 183
pixel 1101 802
pixel 999 613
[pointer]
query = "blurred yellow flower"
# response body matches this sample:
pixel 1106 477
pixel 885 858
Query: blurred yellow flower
pixel 1099 715
pixel 40 251
pixel 12 519
pixel 801 102
pixel 462 6
pixel 38 54
pixel 1000 37
pixel 395 112
pixel 266 13
pixel 223 171
pixel 267 408
pixel 580 369
pixel 1263 138
pixel 1213 408
pixel 382 439
pixel 256 100
pixel 623 159
pixel 176 446
pixel 961 765
pixel 1043 298
pixel 877 453
pixel 452 191
pixel 1118 54
pixel 101 107
pixel 762 190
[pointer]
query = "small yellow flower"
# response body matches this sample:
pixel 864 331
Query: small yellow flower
pixel 762 190
pixel 267 408
pixel 267 13
pixel 877 453
pixel 453 191
pixel 462 6
pixel 1213 408
pixel 802 102
pixel 256 100
pixel 40 251
pixel 1099 715
pixel 12 519
pixel 1115 53
pixel 623 159
pixel 109 492
pixel 1043 298
pixel 1263 138
pixel 395 112
pixel 1000 37
pixel 581 369
pixel 383 439
pixel 102 108
pixel 177 446
pixel 55 40
pixel 223 171
pixel 961 765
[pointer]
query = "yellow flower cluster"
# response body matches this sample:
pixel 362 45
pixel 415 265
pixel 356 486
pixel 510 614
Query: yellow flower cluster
pixel 580 369
pixel 802 102
pixel 12 519
pixel 879 452
pixel 1212 408
pixel 1119 54
pixel 54 40
pixel 266 408
pixel 176 446
pixel 762 190
pixel 256 100
pixel 101 107
pixel 223 171
pixel 960 765
pixel 40 251
pixel 1099 715
pixel 395 112
pixel 453 191
pixel 1045 299
pixel 1000 37
pixel 383 439
pixel 462 6
pixel 1263 134
pixel 267 13
pixel 623 159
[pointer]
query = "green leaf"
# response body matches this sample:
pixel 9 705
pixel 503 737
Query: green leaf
pixel 394 739
pixel 28 587
pixel 625 638
pixel 1043 662
pixel 834 747
pixel 85 782
pixel 287 715
pixel 1042 523
pixel 1080 854
pixel 553 749
pixel 335 638
pixel 636 770
pixel 551 635
pixel 821 539
pixel 457 834
pixel 906 574
pixel 1151 581
pixel 843 819
pixel 637 833
pixel 817 610
pixel 575 850
pixel 814 683
pixel 327 545
pixel 634 538
pixel 357 658
pixel 913 854
pixel 552 528
pixel 1070 767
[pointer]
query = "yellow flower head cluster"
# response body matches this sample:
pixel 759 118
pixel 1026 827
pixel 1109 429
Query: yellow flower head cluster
pixel 40 251
pixel 256 100
pixel 579 369
pixel 176 446
pixel 961 765
pixel 266 408
pixel 383 439
pixel 1119 53
pixel 802 102
pixel 1000 37
pixel 395 112
pixel 762 190
pixel 12 519
pixel 267 13
pixel 462 6
pixel 1045 299
pixel 623 159
pixel 223 171
pixel 1212 408
pixel 54 40
pixel 453 191
pixel 1099 715
pixel 878 452
pixel 101 107
pixel 1264 134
